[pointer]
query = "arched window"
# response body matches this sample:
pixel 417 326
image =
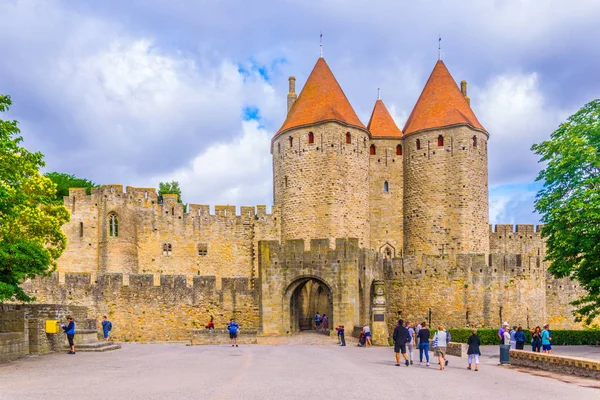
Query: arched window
pixel 169 249
pixel 202 249
pixel 399 150
pixel 113 225
pixel 372 150
pixel 386 187
pixel 348 138
pixel 291 141
pixel 440 141
pixel 474 141
pixel 164 249
pixel 311 138
pixel 418 144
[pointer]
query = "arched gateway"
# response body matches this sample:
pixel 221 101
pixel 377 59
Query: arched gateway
pixel 303 298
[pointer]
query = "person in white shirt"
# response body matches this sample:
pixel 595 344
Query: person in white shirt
pixel 367 332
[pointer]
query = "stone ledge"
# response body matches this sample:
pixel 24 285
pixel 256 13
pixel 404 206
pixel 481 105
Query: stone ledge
pixel 221 336
pixel 453 349
pixel 554 363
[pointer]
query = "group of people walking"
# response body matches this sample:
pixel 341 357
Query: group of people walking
pixel 321 322
pixel 541 339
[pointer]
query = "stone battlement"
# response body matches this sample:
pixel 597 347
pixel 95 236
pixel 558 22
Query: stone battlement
pixel 506 229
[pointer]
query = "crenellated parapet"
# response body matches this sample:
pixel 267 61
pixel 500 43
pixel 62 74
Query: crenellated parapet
pixel 523 240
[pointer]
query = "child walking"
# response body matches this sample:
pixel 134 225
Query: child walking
pixel 473 350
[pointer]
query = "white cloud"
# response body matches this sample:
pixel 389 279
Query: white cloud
pixel 235 172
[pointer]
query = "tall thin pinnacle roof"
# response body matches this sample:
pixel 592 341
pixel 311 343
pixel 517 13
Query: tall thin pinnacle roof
pixel 321 99
pixel 441 104
pixel 381 123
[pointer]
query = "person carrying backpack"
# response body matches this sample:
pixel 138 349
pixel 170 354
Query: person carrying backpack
pixel 106 327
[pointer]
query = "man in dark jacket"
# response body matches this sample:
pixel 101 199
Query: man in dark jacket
pixel 400 339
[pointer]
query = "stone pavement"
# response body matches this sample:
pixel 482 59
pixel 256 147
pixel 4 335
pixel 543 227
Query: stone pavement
pixel 171 371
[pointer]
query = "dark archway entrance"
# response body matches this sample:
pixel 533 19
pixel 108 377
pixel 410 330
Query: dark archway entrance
pixel 307 297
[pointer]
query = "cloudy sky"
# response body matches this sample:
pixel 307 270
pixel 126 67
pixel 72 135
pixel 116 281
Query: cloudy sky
pixel 141 91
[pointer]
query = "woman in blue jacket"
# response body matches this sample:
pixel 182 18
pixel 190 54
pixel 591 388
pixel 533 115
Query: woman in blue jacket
pixel 70 331
pixel 520 338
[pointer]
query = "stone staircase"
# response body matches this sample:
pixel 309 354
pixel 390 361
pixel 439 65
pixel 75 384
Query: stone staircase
pixel 86 340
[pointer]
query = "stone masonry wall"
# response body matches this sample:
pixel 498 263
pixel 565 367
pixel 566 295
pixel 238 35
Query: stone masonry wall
pixel 14 338
pixel 146 307
pixel 446 193
pixel 322 188
pixel 386 215
pixel 162 238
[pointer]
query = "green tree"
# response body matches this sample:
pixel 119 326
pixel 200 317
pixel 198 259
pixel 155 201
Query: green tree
pixel 31 238
pixel 569 204
pixel 65 181
pixel 170 188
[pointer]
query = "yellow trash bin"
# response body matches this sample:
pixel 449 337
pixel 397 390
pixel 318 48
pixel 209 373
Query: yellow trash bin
pixel 52 326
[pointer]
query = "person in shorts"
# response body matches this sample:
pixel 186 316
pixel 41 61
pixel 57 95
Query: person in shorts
pixel 546 340
pixel 400 338
pixel 317 321
pixel 410 344
pixel 233 329
pixel 70 331
pixel 367 331
pixel 440 344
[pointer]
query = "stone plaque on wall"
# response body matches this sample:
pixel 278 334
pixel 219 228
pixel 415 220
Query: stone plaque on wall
pixel 379 318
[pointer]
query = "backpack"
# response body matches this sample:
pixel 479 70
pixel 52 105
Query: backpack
pixel 109 326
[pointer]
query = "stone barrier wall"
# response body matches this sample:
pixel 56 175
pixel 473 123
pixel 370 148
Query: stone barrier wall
pixel 221 336
pixel 13 335
pixel 553 363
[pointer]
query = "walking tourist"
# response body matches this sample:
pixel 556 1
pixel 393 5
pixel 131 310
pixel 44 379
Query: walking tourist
pixel 417 329
pixel 367 332
pixel 423 337
pixel 400 338
pixel 546 340
pixel 513 342
pixel 70 331
pixel 410 344
pixel 441 338
pixel 340 332
pixel 520 338
pixel 473 351
pixel 233 328
pixel 324 322
pixel 317 321
pixel 106 327
pixel 536 339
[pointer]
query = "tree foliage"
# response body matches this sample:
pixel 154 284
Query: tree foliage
pixel 170 188
pixel 31 238
pixel 66 181
pixel 569 204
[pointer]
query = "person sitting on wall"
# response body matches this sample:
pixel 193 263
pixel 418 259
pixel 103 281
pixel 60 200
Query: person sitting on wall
pixel 70 331
pixel 211 323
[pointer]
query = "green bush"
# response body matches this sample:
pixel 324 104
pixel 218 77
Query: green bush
pixel 559 337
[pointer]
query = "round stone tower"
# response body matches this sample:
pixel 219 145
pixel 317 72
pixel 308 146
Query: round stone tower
pixel 321 164
pixel 445 172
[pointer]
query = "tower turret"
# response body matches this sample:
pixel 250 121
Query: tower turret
pixel 445 172
pixel 320 164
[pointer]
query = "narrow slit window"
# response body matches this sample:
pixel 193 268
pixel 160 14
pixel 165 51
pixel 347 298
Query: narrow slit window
pixel 278 147
pixel 169 249
pixel 386 187
pixel 418 144
pixel 348 138
pixel 113 225
pixel 399 150
pixel 291 141
pixel 440 141
pixel 474 141
pixel 81 229
pixel 372 150
pixel 164 249
pixel 311 138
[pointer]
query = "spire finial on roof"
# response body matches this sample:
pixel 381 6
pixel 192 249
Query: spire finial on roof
pixel 378 98
pixel 321 45
pixel 439 47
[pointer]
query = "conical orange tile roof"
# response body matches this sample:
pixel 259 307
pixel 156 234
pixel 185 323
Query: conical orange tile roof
pixel 381 123
pixel 321 99
pixel 441 104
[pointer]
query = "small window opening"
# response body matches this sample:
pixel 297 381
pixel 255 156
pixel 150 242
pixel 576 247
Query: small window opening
pixel 81 229
pixel 399 150
pixel 113 225
pixel 348 138
pixel 311 138
pixel 167 249
pixel 291 141
pixel 365 143
pixel 202 249
pixel 474 141
pixel 440 141
pixel 386 187
pixel 372 150
pixel 146 195
pixel 285 181
pixel 172 210
pixel 418 144
pixel 278 147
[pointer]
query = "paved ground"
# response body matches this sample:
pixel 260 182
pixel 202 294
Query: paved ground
pixel 173 371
